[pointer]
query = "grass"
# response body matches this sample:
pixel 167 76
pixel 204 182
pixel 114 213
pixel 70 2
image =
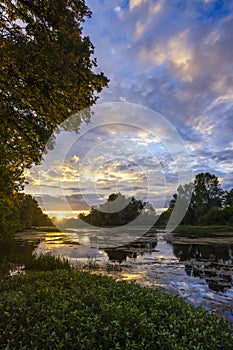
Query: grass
pixel 45 262
pixel 33 262
pixel 116 267
pixel 64 309
pixel 92 264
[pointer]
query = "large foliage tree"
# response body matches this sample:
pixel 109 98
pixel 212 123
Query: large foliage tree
pixel 207 192
pixel 206 205
pixel 47 74
pixel 30 213
pixel 20 211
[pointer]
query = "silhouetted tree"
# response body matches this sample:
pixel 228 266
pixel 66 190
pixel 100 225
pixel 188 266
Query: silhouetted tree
pixel 117 211
pixel 207 202
pixel 31 214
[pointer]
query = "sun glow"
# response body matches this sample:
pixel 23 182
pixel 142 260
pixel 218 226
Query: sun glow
pixel 60 215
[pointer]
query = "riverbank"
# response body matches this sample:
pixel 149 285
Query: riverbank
pixel 198 229
pixel 199 272
pixel 186 229
pixel 202 235
pixel 214 238
pixel 78 310
pixel 130 273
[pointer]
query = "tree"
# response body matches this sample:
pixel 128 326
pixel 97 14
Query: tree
pixel 30 213
pixel 207 193
pixel 119 210
pixel 165 215
pixel 9 216
pixel 22 212
pixel 229 198
pixel 186 202
pixel 206 202
pixel 46 76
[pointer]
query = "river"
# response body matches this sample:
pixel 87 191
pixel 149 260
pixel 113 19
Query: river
pixel 198 270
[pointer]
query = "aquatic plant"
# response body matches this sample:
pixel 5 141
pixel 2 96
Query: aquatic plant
pixel 92 264
pixel 78 310
pixel 116 267
pixel 46 262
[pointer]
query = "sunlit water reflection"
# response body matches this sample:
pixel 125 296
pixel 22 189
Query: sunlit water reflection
pixel 201 274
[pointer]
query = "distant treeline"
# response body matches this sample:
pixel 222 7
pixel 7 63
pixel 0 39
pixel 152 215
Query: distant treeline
pixel 119 210
pixel 22 213
pixel 209 205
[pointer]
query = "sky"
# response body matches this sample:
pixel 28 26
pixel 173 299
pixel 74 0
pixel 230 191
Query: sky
pixel 171 62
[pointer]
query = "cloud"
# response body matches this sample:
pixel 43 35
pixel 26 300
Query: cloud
pixel 174 57
pixel 123 163
pixel 135 3
pixel 76 159
pixel 119 11
pixel 176 53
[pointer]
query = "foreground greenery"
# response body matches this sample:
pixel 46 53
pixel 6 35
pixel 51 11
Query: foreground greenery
pixel 76 310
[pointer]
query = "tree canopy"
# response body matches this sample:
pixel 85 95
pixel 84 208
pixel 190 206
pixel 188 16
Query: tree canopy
pixel 207 192
pixel 30 213
pixel 23 212
pixel 209 205
pixel 118 210
pixel 47 74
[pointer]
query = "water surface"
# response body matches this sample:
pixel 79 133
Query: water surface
pixel 199 272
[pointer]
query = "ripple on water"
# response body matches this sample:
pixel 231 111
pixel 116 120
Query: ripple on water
pixel 200 273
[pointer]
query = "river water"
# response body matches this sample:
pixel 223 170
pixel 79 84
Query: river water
pixel 201 272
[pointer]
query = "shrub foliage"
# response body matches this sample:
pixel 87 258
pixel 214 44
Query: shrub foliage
pixel 76 310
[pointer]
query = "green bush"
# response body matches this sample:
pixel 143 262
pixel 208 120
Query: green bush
pixel 77 310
